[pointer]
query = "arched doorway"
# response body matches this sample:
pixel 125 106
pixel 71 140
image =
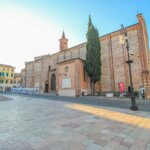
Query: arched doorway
pixel 53 82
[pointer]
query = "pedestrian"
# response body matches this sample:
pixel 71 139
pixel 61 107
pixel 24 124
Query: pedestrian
pixel 143 94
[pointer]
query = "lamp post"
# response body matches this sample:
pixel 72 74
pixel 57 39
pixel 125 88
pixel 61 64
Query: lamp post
pixel 129 61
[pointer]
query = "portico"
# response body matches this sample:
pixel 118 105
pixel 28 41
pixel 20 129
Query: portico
pixel 71 80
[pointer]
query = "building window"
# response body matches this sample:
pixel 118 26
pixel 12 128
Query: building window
pixel 0 74
pixel 6 74
pixel 49 67
pixel 11 74
pixel 6 81
pixel 12 70
pixel 11 81
pixel 2 81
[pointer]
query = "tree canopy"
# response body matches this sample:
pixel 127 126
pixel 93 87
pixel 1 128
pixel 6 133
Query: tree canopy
pixel 93 55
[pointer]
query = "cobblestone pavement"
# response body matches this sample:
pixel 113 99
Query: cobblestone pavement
pixel 28 123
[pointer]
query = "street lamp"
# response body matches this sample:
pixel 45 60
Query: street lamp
pixel 124 40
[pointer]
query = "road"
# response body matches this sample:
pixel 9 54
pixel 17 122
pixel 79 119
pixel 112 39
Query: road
pixel 124 103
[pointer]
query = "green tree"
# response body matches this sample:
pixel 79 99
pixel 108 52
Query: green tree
pixel 93 55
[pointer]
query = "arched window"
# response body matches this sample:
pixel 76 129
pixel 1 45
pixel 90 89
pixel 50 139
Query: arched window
pixel 53 82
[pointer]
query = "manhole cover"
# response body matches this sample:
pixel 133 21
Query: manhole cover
pixel 96 117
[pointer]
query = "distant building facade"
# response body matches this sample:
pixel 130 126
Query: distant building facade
pixel 23 78
pixel 64 72
pixel 17 80
pixel 6 77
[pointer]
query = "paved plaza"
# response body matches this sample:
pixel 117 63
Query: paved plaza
pixel 51 123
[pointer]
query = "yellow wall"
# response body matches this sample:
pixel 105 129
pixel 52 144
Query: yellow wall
pixel 6 76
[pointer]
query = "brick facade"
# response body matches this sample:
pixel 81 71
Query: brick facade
pixel 113 56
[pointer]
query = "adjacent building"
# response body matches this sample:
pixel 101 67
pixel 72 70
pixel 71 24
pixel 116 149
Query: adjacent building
pixel 6 77
pixel 64 73
pixel 17 80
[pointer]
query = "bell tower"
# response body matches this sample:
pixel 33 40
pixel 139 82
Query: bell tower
pixel 63 42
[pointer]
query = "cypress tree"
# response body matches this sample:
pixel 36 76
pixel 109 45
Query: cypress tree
pixel 93 55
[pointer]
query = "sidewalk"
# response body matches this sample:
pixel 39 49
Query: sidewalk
pixel 28 123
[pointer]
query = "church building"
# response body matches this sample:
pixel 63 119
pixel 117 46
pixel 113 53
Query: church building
pixel 64 73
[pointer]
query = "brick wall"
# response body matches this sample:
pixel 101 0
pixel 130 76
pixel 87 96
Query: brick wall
pixel 113 56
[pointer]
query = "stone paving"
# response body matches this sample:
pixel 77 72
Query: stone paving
pixel 38 124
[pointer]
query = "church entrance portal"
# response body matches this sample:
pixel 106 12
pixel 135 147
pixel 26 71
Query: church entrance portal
pixel 46 87
pixel 53 82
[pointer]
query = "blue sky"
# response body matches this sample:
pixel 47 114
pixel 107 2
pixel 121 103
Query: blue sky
pixel 49 17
